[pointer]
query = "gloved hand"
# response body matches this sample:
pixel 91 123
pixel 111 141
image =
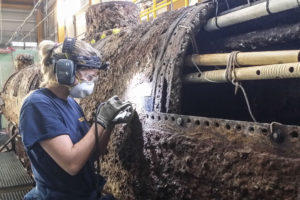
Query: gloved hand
pixel 124 116
pixel 108 110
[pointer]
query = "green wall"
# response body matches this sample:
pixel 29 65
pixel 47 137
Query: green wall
pixel 7 68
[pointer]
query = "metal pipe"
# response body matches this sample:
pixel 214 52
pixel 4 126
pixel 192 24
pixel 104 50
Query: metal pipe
pixel 278 71
pixel 8 141
pixel 186 3
pixel 154 9
pixel 245 58
pixel 249 13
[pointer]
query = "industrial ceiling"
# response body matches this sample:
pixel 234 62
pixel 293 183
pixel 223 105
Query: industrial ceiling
pixel 13 14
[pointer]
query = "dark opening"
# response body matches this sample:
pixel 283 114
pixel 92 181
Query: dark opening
pixel 270 100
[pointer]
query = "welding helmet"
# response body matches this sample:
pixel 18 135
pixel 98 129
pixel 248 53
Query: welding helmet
pixel 66 64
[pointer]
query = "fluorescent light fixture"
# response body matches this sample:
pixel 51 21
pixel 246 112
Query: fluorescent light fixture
pixel 17 44
pixel 21 44
pixel 30 44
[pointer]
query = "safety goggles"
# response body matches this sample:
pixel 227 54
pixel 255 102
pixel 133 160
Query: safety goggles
pixel 87 75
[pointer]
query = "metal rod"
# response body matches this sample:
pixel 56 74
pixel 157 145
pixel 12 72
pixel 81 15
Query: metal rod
pixel 279 71
pixel 245 58
pixel 26 19
pixel 9 140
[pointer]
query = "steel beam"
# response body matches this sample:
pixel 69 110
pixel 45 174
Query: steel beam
pixel 16 6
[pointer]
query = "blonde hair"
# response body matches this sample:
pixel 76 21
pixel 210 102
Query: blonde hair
pixel 47 49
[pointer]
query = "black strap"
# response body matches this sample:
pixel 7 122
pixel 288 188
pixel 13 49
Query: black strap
pixel 217 12
pixel 268 7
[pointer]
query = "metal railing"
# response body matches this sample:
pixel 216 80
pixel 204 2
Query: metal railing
pixel 156 6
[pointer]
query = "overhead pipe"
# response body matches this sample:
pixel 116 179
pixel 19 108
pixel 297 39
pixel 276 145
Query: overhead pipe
pixel 253 12
pixel 279 71
pixel 245 58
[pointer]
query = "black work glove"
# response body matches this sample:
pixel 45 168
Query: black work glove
pixel 124 116
pixel 108 110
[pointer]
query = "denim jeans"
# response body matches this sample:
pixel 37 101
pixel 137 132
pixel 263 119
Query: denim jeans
pixel 33 195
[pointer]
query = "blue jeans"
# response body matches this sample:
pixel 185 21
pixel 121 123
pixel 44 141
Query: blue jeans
pixel 33 194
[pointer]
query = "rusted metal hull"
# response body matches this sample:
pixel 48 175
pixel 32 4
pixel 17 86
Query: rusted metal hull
pixel 16 89
pixel 169 156
pixel 102 18
pixel 184 157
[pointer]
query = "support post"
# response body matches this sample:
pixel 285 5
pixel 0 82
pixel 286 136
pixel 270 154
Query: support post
pixel 154 9
pixel 40 27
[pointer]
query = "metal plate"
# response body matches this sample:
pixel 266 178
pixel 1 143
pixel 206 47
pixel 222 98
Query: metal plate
pixel 14 195
pixel 13 176
pixel 284 139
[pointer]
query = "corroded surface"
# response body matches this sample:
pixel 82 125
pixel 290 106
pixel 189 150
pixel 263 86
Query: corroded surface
pixel 151 53
pixel 159 159
pixel 171 156
pixel 108 15
pixel 147 65
pixel 219 159
pixel 23 60
pixel 278 35
pixel 15 90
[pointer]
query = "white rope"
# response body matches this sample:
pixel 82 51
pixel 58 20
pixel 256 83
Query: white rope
pixel 272 126
pixel 231 77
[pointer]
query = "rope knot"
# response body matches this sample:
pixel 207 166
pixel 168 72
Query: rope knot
pixel 230 76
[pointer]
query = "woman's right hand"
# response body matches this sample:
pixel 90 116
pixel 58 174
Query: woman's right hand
pixel 108 110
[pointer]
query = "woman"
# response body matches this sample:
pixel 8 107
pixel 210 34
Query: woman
pixel 57 138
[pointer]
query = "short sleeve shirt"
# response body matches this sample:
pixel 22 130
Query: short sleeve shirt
pixel 43 116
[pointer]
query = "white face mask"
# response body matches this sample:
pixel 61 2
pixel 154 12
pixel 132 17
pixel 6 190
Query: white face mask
pixel 82 89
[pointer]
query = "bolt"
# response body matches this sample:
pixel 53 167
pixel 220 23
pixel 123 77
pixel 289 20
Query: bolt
pixel 179 121
pixel 278 137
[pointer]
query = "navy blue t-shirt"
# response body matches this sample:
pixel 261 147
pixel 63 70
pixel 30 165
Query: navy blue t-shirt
pixel 44 116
